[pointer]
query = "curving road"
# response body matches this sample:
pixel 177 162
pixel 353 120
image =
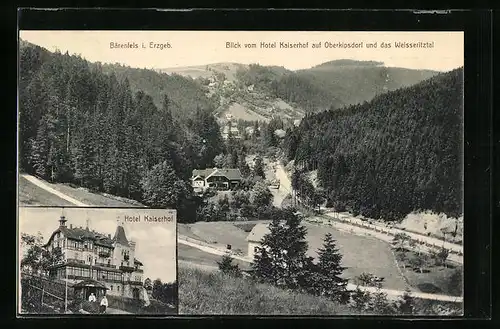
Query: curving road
pixel 195 244
pixel 378 231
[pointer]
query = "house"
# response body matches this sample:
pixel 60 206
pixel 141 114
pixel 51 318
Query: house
pixel 280 133
pixel 230 130
pixel 90 256
pixel 218 178
pixel 255 237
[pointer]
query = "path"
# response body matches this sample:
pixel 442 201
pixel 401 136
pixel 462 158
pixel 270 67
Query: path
pixel 43 185
pixel 190 242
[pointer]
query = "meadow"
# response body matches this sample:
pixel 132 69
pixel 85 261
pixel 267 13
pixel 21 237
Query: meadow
pixel 215 293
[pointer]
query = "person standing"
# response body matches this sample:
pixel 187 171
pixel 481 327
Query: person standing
pixel 92 297
pixel 104 304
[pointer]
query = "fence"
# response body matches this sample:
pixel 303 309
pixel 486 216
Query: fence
pixel 42 295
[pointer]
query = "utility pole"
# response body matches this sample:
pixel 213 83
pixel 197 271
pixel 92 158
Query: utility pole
pixel 66 289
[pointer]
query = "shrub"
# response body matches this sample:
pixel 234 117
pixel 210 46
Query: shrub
pixel 226 266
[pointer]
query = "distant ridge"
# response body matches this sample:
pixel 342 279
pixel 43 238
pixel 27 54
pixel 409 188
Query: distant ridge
pixel 348 62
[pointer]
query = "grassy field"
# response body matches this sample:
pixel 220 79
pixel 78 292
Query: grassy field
pixel 434 279
pixel 189 254
pixel 212 293
pixel 361 254
pixel 30 194
pixel 218 234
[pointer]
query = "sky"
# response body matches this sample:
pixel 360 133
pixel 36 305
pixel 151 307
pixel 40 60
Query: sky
pixel 193 48
pixel 156 245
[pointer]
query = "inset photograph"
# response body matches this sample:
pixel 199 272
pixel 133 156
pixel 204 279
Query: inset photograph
pixel 97 261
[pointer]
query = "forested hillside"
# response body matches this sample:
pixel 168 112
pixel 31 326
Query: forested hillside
pixel 385 158
pixel 331 85
pixel 185 94
pixel 79 124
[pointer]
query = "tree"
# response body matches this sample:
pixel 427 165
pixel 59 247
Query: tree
pixel 224 206
pixel 38 259
pixel 258 168
pixel 418 262
pixel 360 299
pixel 406 304
pixel 239 199
pixel 207 213
pixel 261 195
pixel 328 271
pixel 162 188
pixel 283 259
pixel 380 304
pixel 368 280
pixel 226 266
pixel 400 240
pixel 148 284
pixel 157 290
pixel 221 161
pixel 440 256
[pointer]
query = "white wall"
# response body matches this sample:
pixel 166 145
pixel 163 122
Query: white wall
pixel 198 183
pixel 251 249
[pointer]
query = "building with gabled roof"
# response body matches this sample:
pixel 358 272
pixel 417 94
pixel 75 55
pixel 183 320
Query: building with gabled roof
pixel 218 178
pixel 255 237
pixel 90 255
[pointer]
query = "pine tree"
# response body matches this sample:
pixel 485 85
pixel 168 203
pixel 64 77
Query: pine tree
pixel 406 304
pixel 283 257
pixel 262 267
pixel 226 266
pixel 258 168
pixel 379 304
pixel 329 269
pixel 360 300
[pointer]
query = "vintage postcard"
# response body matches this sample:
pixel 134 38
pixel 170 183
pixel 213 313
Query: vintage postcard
pixel 97 261
pixel 312 173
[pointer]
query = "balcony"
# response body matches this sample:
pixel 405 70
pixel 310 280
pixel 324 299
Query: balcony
pixel 105 265
pixel 73 260
pixel 127 268
pixel 104 254
pixel 134 282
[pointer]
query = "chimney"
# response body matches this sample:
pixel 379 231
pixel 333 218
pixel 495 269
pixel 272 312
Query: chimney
pixel 109 236
pixel 70 225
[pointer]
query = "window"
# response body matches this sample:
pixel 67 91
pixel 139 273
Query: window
pixel 111 287
pixel 255 249
pixel 118 288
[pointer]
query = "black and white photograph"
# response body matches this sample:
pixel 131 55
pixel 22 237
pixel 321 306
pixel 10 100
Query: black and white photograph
pixel 97 261
pixel 312 173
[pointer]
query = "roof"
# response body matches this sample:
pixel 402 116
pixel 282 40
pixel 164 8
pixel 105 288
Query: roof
pixel 136 261
pixel 258 232
pixel 231 174
pixel 81 234
pixel 90 283
pixel 203 172
pixel 120 236
pixel 280 133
